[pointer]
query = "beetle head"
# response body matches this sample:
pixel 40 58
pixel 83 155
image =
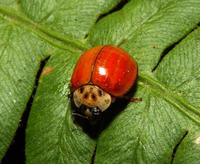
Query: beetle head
pixel 91 100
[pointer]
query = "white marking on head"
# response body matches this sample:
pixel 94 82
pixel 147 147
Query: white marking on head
pixel 92 96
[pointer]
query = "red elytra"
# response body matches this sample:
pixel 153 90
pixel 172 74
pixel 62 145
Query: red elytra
pixel 108 67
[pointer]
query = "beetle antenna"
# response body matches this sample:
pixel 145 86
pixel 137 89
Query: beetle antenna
pixel 132 99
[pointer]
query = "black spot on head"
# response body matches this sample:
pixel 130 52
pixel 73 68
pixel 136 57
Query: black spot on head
pixel 81 89
pixel 100 92
pixel 106 101
pixel 94 97
pixel 85 96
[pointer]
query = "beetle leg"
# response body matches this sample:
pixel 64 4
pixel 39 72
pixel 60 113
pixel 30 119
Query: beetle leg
pixel 132 99
pixel 135 99
pixel 79 115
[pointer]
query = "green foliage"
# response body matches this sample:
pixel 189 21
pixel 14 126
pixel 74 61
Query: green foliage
pixel 162 35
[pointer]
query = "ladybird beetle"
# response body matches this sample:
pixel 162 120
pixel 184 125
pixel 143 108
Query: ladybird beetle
pixel 101 75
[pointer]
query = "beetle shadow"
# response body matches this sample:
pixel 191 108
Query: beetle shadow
pixel 94 127
pixel 116 108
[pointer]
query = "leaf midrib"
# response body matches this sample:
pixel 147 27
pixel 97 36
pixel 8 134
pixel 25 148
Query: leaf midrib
pixel 181 104
pixel 54 38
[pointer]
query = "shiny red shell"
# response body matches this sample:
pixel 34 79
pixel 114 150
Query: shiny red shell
pixel 110 68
